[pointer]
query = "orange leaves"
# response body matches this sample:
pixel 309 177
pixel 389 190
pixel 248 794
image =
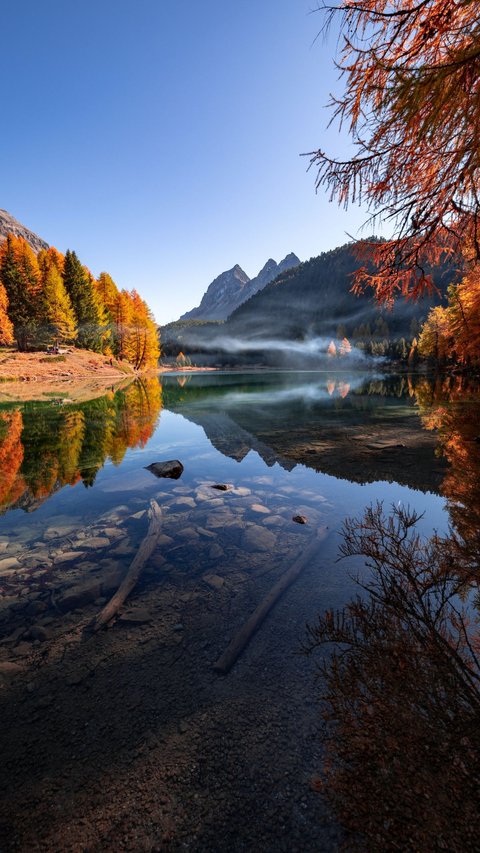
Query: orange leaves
pixel 6 325
pixel 412 99
pixel 11 456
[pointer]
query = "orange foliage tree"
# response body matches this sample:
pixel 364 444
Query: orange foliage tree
pixel 412 105
pixel 20 277
pixel 11 456
pixel 6 325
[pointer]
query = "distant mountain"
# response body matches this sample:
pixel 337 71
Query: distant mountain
pixel 315 299
pixel 10 225
pixel 230 289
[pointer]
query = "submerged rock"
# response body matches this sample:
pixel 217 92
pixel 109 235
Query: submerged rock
pixel 173 469
pixel 258 538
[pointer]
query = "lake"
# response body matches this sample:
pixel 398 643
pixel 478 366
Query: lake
pixel 74 492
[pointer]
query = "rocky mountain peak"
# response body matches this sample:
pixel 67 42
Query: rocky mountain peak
pixel 10 225
pixel 233 287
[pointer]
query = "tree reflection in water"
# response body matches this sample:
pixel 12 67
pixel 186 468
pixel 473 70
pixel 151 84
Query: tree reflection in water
pixel 45 446
pixel 401 690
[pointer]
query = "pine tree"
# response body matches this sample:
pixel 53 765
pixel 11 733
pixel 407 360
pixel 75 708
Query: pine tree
pixel 79 286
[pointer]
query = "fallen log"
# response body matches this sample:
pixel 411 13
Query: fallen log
pixel 243 637
pixel 131 578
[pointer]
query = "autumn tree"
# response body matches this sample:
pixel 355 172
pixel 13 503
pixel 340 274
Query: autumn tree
pixel 6 325
pixel 412 106
pixel 107 291
pixel 58 315
pixel 435 339
pixel 20 276
pixel 142 341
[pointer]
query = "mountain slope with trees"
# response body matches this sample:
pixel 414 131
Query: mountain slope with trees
pixel 316 298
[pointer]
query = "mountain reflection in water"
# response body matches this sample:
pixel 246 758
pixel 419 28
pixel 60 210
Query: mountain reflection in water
pixel 352 427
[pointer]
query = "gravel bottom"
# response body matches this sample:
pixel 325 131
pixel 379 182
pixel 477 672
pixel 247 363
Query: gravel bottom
pixel 128 740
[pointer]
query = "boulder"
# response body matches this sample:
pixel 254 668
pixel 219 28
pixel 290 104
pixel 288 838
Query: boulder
pixel 173 469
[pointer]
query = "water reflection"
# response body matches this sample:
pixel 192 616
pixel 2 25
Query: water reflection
pixel 451 407
pixel 357 428
pixel 45 446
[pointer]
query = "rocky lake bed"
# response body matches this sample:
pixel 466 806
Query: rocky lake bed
pixel 139 705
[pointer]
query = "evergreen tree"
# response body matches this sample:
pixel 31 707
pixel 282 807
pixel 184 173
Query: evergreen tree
pixel 79 286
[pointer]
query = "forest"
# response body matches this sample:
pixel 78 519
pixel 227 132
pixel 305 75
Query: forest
pixel 50 299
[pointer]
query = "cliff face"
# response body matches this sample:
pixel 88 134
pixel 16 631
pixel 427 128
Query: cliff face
pixel 219 296
pixel 10 225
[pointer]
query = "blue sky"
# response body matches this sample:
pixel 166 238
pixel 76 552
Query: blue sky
pixel 161 139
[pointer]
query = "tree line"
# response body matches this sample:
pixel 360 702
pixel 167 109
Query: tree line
pixel 48 297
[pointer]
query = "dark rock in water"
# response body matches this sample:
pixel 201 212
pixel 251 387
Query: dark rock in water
pixel 222 487
pixel 172 469
pixel 300 519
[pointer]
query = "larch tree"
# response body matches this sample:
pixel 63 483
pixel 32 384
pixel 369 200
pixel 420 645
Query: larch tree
pixel 58 315
pixel 142 340
pixel 6 325
pixel 20 276
pixel 412 106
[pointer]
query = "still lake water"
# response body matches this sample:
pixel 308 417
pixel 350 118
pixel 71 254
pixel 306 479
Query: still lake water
pixel 128 739
pixel 320 445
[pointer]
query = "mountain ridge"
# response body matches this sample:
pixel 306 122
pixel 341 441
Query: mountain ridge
pixel 233 287
pixel 10 225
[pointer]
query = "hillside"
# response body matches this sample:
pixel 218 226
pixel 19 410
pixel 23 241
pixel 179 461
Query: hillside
pixel 10 225
pixel 310 300
pixel 315 298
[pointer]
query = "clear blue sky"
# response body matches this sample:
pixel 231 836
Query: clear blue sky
pixel 161 139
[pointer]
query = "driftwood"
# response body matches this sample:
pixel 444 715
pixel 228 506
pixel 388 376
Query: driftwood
pixel 131 578
pixel 243 637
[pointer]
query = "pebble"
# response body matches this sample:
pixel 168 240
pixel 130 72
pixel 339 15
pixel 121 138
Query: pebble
pixel 260 508
pixel 214 581
pixel 274 520
pixel 207 534
pixel 215 552
pixel 68 557
pixel 97 542
pixel 258 538
pixel 188 533
pixel 183 503
pixel 9 563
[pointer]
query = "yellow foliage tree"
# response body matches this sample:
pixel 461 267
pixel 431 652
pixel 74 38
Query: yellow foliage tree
pixel 58 315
